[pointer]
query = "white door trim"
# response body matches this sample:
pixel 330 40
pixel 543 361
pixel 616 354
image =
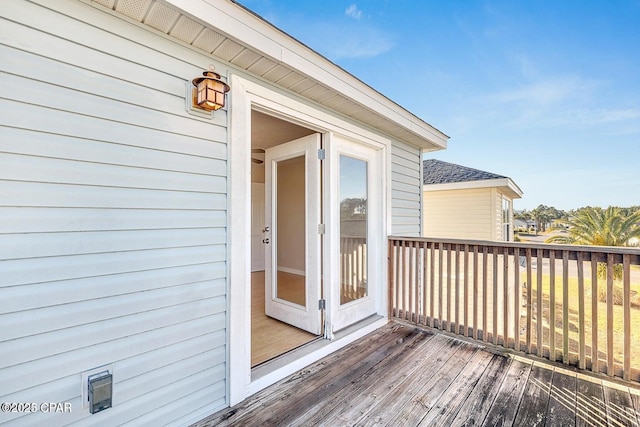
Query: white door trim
pixel 246 94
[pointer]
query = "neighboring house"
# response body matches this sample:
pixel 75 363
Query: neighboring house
pixel 520 225
pixel 465 203
pixel 524 226
pixel 126 214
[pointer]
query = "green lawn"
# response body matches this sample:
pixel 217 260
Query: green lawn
pixel 602 326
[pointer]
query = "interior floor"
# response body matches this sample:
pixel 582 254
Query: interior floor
pixel 270 337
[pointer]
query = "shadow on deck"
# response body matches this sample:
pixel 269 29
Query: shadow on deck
pixel 404 376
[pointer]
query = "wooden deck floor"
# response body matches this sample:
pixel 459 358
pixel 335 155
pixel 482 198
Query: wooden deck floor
pixel 403 376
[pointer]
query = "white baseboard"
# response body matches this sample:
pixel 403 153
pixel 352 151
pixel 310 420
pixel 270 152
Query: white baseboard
pixel 292 271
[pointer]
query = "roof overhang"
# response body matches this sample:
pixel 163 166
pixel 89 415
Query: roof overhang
pixel 505 185
pixel 233 34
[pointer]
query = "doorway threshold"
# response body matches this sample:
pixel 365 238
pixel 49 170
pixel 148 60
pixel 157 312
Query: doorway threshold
pixel 282 366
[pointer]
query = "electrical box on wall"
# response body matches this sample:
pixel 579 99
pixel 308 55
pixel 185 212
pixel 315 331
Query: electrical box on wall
pixel 97 389
pixel 100 392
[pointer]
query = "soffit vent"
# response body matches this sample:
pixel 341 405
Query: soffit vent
pixel 134 9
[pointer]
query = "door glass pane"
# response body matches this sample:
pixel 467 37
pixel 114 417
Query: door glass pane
pixel 353 229
pixel 290 244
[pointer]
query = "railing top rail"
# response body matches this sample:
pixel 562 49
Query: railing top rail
pixel 619 250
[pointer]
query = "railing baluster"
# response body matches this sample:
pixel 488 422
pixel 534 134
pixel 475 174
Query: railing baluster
pixel 494 304
pixel 594 315
pixel 440 283
pixel 401 281
pixel 626 316
pixel 565 307
pixel 391 277
pixel 406 303
pixel 457 299
pixel 610 370
pixel 412 282
pixel 539 312
pixel 505 298
pixel 529 301
pixel 475 292
pixel 423 274
pixel 517 299
pixel 466 290
pixel 552 305
pixel 432 283
pixel 581 326
pixel 485 300
pixel 449 264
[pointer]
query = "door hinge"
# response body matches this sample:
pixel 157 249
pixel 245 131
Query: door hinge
pixel 321 228
pixel 321 154
pixel 322 304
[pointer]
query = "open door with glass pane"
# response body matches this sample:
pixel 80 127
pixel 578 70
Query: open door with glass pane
pixel 355 239
pixel 292 215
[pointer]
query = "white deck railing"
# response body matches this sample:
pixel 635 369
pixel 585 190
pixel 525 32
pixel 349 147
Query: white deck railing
pixel 541 299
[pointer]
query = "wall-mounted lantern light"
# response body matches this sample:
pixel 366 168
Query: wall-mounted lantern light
pixel 209 91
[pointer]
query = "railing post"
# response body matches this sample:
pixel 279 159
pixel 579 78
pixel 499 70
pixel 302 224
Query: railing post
pixel 390 275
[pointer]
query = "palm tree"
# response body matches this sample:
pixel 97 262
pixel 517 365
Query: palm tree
pixel 595 226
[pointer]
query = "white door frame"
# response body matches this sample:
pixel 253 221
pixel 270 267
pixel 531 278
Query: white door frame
pixel 257 226
pixel 244 96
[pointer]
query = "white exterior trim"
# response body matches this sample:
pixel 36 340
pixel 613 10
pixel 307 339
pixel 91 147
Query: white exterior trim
pixel 245 95
pixel 250 30
pixel 505 184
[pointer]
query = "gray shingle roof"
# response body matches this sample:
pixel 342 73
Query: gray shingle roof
pixel 439 172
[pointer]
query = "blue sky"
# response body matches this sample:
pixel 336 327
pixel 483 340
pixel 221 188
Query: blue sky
pixel 545 92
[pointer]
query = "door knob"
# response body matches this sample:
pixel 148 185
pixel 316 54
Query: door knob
pixel 265 230
pixel 265 241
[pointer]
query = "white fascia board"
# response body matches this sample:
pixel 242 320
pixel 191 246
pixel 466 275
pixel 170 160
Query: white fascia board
pixel 249 29
pixel 504 184
pixel 517 192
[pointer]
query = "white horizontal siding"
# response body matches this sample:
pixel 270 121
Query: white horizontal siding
pixel 405 189
pixel 112 218
pixel 462 214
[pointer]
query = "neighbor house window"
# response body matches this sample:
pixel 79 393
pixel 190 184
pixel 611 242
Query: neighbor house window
pixel 506 220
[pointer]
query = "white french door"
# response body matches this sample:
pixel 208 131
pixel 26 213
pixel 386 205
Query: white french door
pixel 355 239
pixel 292 242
